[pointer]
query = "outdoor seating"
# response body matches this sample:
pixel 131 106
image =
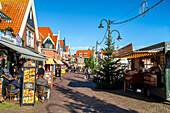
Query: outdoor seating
pixel 40 91
pixel 11 91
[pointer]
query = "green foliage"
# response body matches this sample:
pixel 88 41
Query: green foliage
pixel 108 69
pixel 9 29
pixel 90 63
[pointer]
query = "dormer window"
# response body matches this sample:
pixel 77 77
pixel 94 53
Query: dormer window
pixel 85 54
pixel 80 54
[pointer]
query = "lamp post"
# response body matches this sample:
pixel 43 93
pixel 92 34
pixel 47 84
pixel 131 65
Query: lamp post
pixel 109 22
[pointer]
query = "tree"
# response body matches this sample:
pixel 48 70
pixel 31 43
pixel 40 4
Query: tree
pixel 90 63
pixel 108 69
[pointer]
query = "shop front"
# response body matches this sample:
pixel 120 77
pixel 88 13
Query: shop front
pixel 16 59
pixel 149 70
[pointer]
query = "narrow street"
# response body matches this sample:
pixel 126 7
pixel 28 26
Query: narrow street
pixel 75 94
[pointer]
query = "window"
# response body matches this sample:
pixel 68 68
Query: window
pixel 30 15
pixel 29 38
pixel 49 46
pixel 80 54
pixel 85 54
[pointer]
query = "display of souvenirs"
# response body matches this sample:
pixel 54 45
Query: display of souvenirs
pixel 31 93
pixel 28 85
pixel 30 99
pixel 25 100
pixel 32 71
pixel 25 93
pixel 29 64
pixel 31 79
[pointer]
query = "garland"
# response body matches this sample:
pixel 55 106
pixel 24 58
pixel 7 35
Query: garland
pixel 8 29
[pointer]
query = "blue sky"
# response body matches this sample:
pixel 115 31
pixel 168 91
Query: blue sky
pixel 78 21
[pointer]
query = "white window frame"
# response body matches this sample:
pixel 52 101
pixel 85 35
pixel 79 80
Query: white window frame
pixel 30 15
pixel 29 38
pixel 80 54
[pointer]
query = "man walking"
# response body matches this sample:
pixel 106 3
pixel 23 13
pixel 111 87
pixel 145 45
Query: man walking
pixel 89 72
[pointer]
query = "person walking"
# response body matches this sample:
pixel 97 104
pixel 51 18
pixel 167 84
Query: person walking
pixel 40 70
pixel 89 72
pixel 85 71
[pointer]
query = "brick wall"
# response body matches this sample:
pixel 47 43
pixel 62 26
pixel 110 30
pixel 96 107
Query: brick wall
pixel 50 53
pixel 35 42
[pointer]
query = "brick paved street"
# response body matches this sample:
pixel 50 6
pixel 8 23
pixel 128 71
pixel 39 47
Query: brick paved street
pixel 74 94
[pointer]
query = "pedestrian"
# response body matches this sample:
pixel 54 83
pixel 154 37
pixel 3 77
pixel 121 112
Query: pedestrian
pixel 40 70
pixel 89 72
pixel 85 77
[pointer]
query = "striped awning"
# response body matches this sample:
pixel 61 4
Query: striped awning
pixel 5 17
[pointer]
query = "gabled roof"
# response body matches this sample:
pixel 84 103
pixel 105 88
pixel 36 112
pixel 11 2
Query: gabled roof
pixel 54 38
pixel 45 32
pixel 61 43
pixel 16 10
pixel 67 48
pixel 89 52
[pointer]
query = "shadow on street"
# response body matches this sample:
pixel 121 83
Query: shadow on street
pixel 134 95
pixel 84 102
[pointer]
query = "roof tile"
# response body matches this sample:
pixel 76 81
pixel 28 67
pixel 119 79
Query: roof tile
pixel 15 9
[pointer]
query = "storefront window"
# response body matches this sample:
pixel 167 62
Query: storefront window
pixel 29 38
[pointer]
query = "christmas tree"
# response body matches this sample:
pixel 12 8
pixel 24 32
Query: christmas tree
pixel 110 75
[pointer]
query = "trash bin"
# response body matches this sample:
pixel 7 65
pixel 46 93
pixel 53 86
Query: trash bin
pixel 57 72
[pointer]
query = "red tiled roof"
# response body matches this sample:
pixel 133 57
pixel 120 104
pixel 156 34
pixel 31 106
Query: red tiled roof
pixel 16 10
pixel 89 52
pixel 44 31
pixel 67 48
pixel 61 43
pixel 54 38
pixel 102 52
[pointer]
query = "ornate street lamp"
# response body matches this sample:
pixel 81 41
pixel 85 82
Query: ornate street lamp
pixel 109 33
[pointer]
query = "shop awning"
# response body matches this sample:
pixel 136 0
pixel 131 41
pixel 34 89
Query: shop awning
pixel 23 51
pixel 50 61
pixel 141 53
pixel 5 17
pixel 58 61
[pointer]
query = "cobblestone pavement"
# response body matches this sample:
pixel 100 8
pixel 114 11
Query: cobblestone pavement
pixel 74 94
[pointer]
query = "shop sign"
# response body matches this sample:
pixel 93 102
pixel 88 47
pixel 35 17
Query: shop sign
pixel 7 37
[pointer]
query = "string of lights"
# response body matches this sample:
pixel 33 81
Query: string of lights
pixel 143 13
